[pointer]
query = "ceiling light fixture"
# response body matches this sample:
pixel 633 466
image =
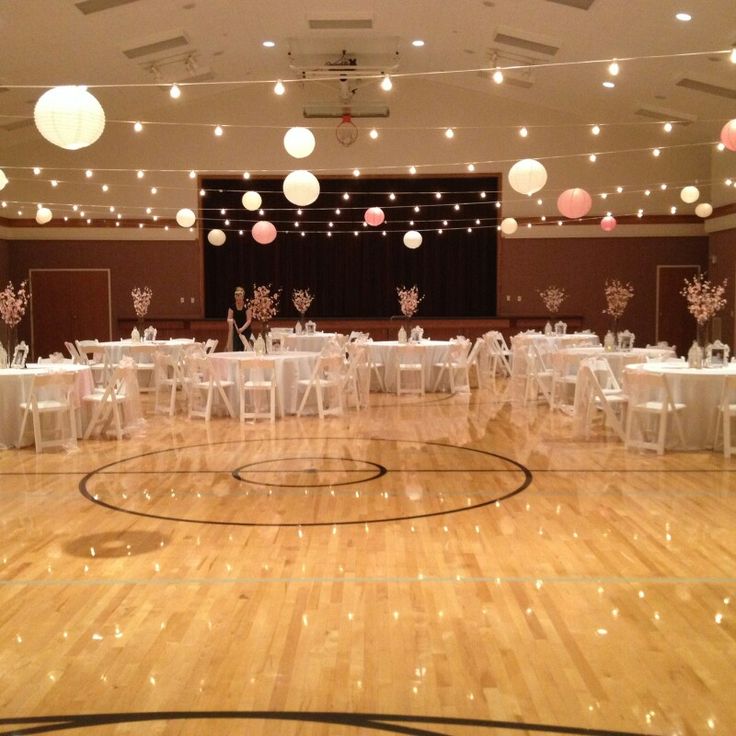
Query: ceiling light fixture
pixel 684 17
pixel 608 85
pixel 417 43
pixel 269 44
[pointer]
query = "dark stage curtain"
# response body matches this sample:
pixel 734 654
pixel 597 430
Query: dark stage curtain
pixel 357 276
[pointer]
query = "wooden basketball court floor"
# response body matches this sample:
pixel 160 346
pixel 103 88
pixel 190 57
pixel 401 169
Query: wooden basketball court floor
pixel 432 565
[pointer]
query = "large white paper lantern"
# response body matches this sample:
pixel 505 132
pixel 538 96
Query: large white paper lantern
pixel 704 209
pixel 185 217
pixel 689 194
pixel 3 180
pixel 412 239
pixel 509 226
pixel 301 187
pixel 252 201
pixel 69 117
pixel 299 142
pixel 43 215
pixel 527 176
pixel 216 237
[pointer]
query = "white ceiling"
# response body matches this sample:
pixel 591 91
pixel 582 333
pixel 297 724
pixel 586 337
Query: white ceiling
pixel 51 42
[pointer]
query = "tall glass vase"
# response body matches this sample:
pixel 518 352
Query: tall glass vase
pixel 702 334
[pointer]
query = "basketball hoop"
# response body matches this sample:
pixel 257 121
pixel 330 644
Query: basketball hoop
pixel 346 131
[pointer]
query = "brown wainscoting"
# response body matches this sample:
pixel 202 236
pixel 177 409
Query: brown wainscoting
pixel 379 329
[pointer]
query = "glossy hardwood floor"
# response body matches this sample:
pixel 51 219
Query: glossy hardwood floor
pixel 436 565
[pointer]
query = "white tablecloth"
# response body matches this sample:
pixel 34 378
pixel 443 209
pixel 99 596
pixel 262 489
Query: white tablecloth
pixel 617 359
pixel 290 368
pixel 699 389
pixel 308 343
pixel 15 385
pixel 115 350
pixel 386 352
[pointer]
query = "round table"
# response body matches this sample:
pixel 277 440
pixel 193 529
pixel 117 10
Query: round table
pixel 308 343
pixel 386 352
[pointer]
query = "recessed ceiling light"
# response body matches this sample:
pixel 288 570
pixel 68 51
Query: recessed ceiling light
pixel 609 85
pixel 684 17
pixel 269 44
pixel 417 42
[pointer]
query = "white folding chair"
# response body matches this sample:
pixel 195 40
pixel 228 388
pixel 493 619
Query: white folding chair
pixel 602 393
pixel 650 407
pixel 257 377
pixel 564 378
pixel 409 362
pixel 327 384
pixel 455 362
pixel 210 346
pixel 203 386
pixel 358 375
pixel 143 357
pixel 539 376
pixel 167 379
pixel 51 393
pixel 500 355
pixel 478 361
pixel 91 353
pixel 727 412
pixel 108 405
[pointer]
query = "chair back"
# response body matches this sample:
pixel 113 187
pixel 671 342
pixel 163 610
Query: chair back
pixel 210 346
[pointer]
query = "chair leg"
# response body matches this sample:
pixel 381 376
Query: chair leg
pixel 22 427
pixel 727 433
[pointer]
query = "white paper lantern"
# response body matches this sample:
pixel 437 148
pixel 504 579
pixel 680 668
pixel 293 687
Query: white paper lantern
pixel 509 226
pixel 301 187
pixel 252 201
pixel 185 217
pixel 299 142
pixel 527 176
pixel 412 239
pixel 69 117
pixel 43 215
pixel 216 237
pixel 3 180
pixel 704 209
pixel 689 194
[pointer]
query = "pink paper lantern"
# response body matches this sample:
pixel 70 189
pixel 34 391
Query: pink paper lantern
pixel 374 216
pixel 728 135
pixel 574 203
pixel 608 223
pixel 263 232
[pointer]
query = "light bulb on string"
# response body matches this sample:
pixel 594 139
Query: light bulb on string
pixel 373 134
pixel 471 168
pixel 386 83
pixel 279 88
pixel 732 55
pixel 667 127
pixel 218 130
pixel 497 76
pixel 175 92
pixel 449 133
pixel 614 68
pixel 412 170
pixel 523 132
pixel 596 130
pixel 36 170
pixel 592 158
pixel 138 126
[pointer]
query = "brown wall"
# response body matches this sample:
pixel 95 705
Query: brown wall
pixel 722 265
pixel 171 268
pixel 4 263
pixel 582 265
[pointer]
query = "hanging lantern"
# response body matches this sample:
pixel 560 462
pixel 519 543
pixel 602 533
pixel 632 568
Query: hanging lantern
pixel 608 223
pixel 728 135
pixel 185 217
pixel 346 131
pixel 299 142
pixel 704 209
pixel 527 176
pixel 301 187
pixel 216 237
pixel 252 201
pixel 574 203
pixel 509 226
pixel 374 216
pixel 3 180
pixel 263 232
pixel 412 239
pixel 69 117
pixel 43 215
pixel 689 194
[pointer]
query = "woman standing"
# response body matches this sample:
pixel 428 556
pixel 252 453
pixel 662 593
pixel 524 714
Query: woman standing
pixel 239 318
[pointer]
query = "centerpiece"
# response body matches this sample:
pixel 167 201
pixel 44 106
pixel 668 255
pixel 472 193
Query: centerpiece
pixel 12 309
pixel 302 299
pixel 141 302
pixel 409 299
pixel 704 301
pixel 552 298
pixel 264 304
pixel 618 296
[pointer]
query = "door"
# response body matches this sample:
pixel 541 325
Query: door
pixel 66 305
pixel 674 323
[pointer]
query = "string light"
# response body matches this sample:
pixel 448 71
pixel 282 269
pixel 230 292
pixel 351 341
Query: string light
pixel 471 167
pixel 592 158
pixel 218 130
pixel 656 152
pixel 596 130
pixel 175 92
pixel 88 173
pixel 140 174
pixel 279 88
pixel 497 76
pixel 523 132
pixel 36 170
pixel 386 83
pixel 373 134
pixel 412 170
pixel 449 133
pixel 732 55
pixel 614 68
pixel 192 174
pixel 138 126
pixel 667 127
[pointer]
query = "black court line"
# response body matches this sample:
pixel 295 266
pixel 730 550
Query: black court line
pixel 83 489
pixel 386 722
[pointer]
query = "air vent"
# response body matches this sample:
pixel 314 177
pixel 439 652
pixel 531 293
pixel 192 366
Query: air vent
pixel 710 89
pixel 170 41
pixel 526 42
pixel 97 6
pixel 579 4
pixel 664 116
pixel 17 125
pixel 365 110
pixel 341 21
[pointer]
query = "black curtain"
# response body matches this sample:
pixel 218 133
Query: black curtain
pixel 357 275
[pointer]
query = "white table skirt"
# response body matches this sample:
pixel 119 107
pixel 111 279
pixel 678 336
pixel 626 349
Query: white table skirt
pixel 699 389
pixel 386 352
pixel 290 367
pixel 15 386
pixel 308 343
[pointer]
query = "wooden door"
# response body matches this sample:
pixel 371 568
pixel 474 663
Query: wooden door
pixel 674 323
pixel 68 304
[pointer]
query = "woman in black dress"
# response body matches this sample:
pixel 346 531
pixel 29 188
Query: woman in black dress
pixel 239 318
